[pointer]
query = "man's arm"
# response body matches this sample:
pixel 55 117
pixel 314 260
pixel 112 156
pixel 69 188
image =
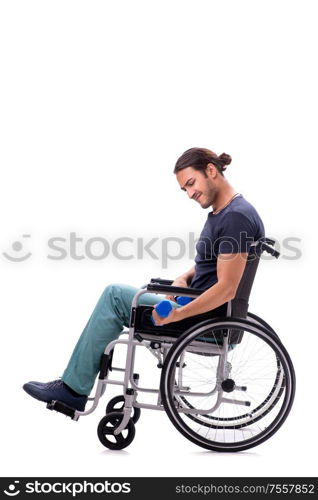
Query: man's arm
pixel 230 268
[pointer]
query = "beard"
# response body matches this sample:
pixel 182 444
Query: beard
pixel 208 196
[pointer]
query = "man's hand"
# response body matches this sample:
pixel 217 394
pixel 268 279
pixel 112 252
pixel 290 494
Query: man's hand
pixel 177 282
pixel 182 281
pixel 173 316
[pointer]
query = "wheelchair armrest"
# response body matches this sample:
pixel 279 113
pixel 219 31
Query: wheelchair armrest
pixel 160 281
pixel 174 290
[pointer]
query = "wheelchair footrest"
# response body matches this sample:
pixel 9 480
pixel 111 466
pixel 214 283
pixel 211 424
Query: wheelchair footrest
pixel 61 408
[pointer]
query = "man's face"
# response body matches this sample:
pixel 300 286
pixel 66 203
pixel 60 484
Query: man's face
pixel 198 187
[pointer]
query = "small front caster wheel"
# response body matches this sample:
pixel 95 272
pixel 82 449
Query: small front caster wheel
pixel 117 404
pixel 108 425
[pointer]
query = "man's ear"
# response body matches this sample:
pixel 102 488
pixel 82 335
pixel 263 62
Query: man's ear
pixel 211 170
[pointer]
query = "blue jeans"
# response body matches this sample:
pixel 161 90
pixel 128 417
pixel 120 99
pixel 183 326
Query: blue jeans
pixel 110 315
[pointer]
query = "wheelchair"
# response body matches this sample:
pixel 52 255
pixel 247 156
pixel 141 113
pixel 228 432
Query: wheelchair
pixel 227 382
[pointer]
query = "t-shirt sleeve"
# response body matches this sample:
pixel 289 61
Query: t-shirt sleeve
pixel 236 234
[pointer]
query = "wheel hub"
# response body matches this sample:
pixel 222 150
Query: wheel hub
pixel 228 385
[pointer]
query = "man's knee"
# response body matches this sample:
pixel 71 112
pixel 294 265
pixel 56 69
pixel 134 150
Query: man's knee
pixel 111 292
pixel 121 292
pixel 119 297
pixel 112 288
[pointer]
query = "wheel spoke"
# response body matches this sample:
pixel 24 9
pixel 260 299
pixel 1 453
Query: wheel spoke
pixel 119 438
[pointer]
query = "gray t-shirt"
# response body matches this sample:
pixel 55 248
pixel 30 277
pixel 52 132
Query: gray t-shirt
pixel 232 230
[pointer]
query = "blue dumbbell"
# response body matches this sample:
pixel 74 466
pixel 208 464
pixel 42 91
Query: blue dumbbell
pixel 183 301
pixel 163 309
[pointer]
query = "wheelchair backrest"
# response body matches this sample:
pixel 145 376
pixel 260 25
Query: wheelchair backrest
pixel 238 306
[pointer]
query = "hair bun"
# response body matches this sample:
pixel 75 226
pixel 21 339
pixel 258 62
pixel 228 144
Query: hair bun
pixel 224 160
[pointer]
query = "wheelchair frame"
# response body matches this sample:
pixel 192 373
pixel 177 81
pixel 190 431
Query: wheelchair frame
pixel 162 347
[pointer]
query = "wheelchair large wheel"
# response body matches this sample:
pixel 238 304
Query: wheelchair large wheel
pixel 228 402
pixel 260 321
pixel 252 415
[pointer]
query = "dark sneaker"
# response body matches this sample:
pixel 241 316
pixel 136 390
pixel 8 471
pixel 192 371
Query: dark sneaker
pixel 58 391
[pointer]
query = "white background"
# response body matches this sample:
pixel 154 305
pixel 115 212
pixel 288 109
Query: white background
pixel 98 99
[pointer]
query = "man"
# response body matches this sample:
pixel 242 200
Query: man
pixel 222 249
